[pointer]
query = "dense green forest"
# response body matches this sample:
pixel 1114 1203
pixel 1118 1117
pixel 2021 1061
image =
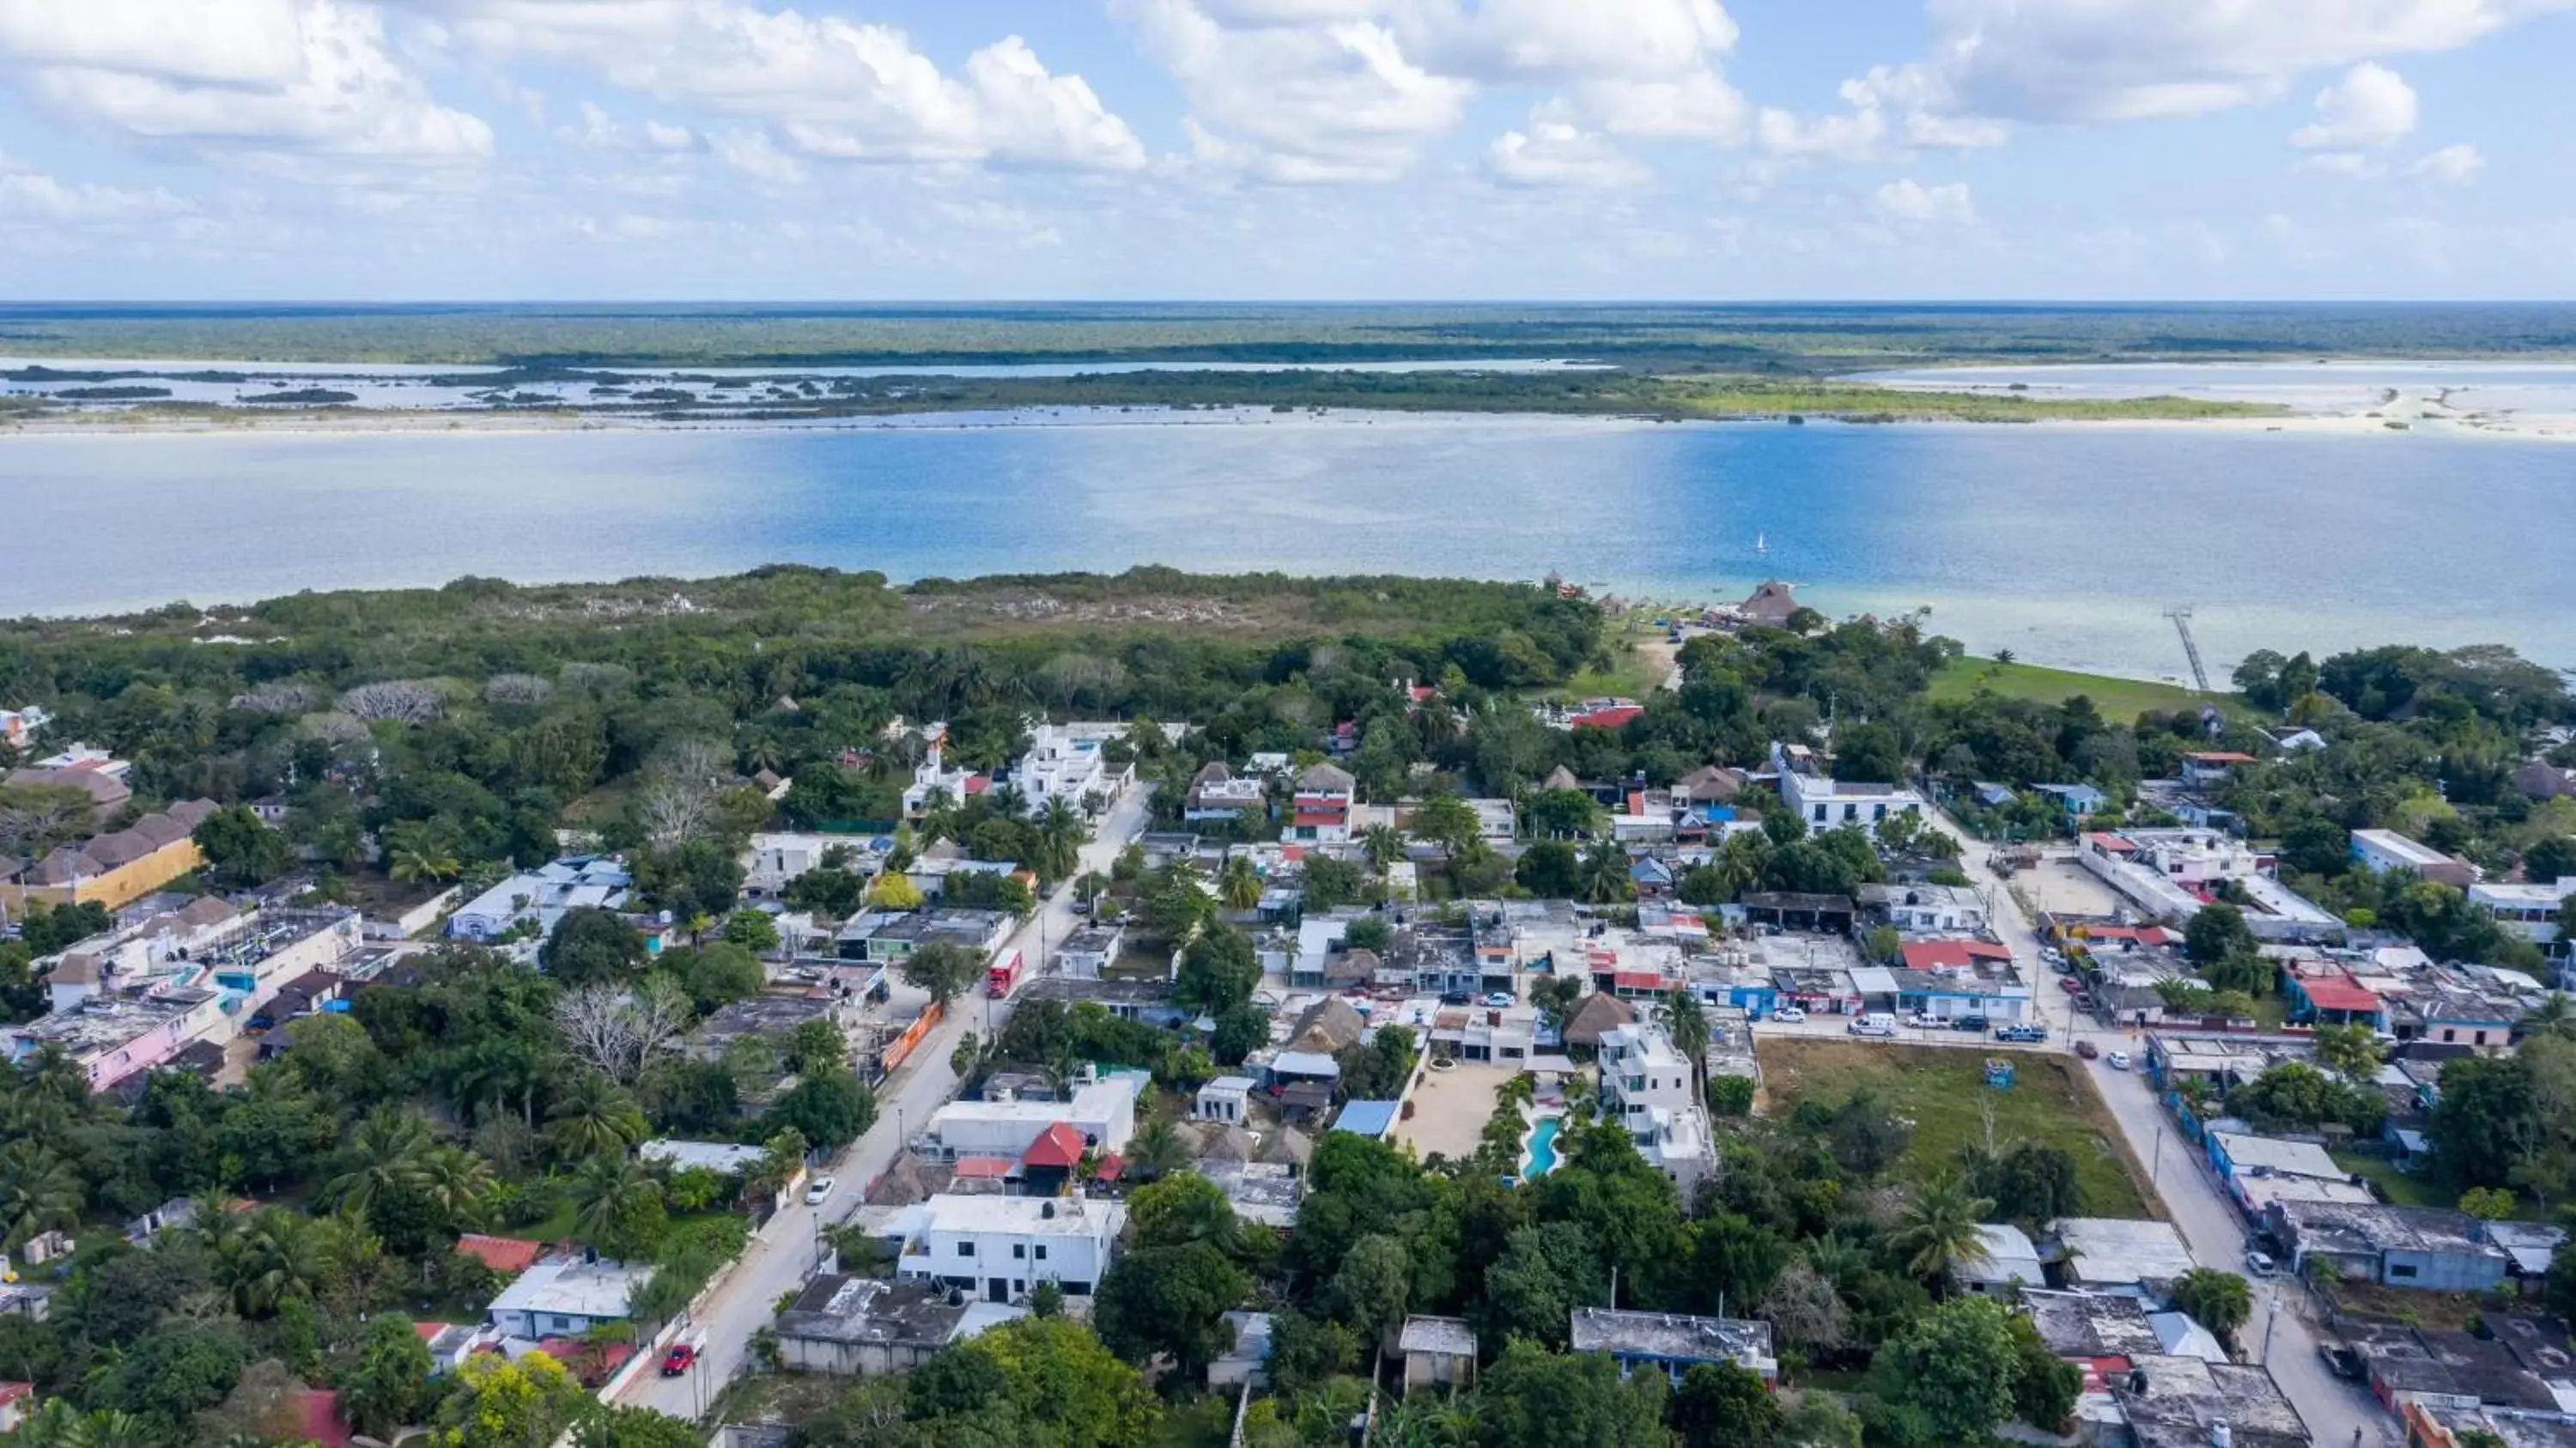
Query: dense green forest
pixel 1801 339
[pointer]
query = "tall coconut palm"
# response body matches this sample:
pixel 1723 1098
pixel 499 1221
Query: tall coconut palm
pixel 594 1119
pixel 1238 883
pixel 280 1257
pixel 1938 1230
pixel 385 1154
pixel 605 1190
pixel 1682 1018
pixel 1061 832
pixel 1157 1149
pixel 38 1194
pixel 1384 845
pixel 2554 1016
pixel 1605 874
pixel 457 1182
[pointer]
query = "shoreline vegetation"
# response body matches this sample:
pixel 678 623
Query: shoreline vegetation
pixel 684 400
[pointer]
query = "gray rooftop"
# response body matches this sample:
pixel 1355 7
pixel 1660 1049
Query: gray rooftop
pixel 1444 1335
pixel 2173 1401
pixel 2090 1324
pixel 1672 1337
pixel 841 1307
pixel 2342 1227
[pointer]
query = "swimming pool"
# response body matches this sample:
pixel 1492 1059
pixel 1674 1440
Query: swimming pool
pixel 1542 1147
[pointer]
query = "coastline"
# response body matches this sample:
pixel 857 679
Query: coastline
pixel 2429 418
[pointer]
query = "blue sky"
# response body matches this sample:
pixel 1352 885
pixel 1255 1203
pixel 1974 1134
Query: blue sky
pixel 1298 149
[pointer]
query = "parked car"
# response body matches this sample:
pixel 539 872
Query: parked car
pixel 2069 983
pixel 2342 1361
pixel 1969 1023
pixel 820 1191
pixel 2117 1060
pixel 2022 1033
pixel 1499 999
pixel 2260 1264
pixel 2087 1050
pixel 682 1356
pixel 2083 1000
pixel 1874 1024
pixel 1790 1014
pixel 1457 998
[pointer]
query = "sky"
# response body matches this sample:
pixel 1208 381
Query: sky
pixel 1287 149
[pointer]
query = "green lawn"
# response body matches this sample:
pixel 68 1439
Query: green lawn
pixel 2120 700
pixel 2415 1190
pixel 1940 1088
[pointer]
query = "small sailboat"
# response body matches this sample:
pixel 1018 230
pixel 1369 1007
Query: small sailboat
pixel 1762 545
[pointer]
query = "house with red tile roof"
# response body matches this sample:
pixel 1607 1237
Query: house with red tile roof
pixel 508 1256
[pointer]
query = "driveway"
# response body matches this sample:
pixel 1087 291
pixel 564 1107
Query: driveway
pixel 787 1248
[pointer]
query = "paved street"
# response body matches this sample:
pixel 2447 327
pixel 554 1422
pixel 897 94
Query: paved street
pixel 786 1249
pixel 2334 1410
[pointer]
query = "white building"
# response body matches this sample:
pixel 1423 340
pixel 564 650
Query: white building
pixel 17 726
pixel 1320 811
pixel 774 859
pixel 1928 909
pixel 1103 1111
pixel 1065 762
pixel 2529 910
pixel 1000 1248
pixel 565 1299
pixel 2380 851
pixel 1823 803
pixel 1224 1099
pixel 1649 1086
pixel 2005 1261
pixel 542 897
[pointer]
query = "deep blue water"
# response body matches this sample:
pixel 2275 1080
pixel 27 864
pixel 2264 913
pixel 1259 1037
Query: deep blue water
pixel 2063 543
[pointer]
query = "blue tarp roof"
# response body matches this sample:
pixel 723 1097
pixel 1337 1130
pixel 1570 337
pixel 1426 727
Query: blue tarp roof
pixel 1367 1118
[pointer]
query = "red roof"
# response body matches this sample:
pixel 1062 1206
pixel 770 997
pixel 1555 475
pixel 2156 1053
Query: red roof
pixel 507 1255
pixel 12 1392
pixel 995 1167
pixel 1606 718
pixel 1927 954
pixel 2113 843
pixel 1423 693
pixel 1637 979
pixel 2142 934
pixel 1058 1146
pixel 1311 818
pixel 429 1331
pixel 2219 756
pixel 977 784
pixel 1108 1169
pixel 2339 993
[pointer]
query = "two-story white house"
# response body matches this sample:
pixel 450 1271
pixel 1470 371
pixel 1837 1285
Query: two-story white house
pixel 1064 762
pixel 1001 1248
pixel 1320 812
pixel 1821 802
pixel 1648 1085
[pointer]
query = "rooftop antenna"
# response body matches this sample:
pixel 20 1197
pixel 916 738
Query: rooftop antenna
pixel 2181 615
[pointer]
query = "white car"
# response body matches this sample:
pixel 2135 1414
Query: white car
pixel 1499 1000
pixel 819 1191
pixel 2260 1264
pixel 2117 1060
pixel 1872 1025
pixel 1790 1014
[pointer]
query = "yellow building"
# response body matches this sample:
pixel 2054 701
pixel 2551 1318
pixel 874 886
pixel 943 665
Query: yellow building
pixel 113 869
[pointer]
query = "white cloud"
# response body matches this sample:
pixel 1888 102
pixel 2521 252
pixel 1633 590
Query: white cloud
pixel 1553 151
pixel 1857 136
pixel 279 78
pixel 601 131
pixel 2452 165
pixel 751 153
pixel 827 87
pixel 2353 165
pixel 2369 107
pixel 1350 90
pixel 28 195
pixel 2117 60
pixel 1906 199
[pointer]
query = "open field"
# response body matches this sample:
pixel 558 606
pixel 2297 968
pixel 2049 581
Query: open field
pixel 1941 1089
pixel 2118 699
pixel 1450 1109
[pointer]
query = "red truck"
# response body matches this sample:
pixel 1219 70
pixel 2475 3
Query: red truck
pixel 1002 975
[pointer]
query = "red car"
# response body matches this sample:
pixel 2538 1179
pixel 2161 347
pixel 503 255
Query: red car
pixel 2069 983
pixel 2087 1050
pixel 681 1357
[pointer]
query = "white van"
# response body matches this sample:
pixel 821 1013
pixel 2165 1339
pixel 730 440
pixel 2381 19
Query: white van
pixel 1876 1023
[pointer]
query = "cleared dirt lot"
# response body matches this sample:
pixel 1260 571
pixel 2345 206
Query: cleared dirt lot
pixel 1450 1109
pixel 2066 887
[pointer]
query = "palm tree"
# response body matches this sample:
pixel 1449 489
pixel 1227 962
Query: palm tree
pixel 1157 1149
pixel 59 1425
pixel 415 851
pixel 1384 845
pixel 457 1182
pixel 1605 874
pixel 38 1194
pixel 1938 1229
pixel 595 1119
pixel 1740 863
pixel 385 1156
pixel 604 1191
pixel 1681 1017
pixel 1238 884
pixel 1061 831
pixel 2554 1016
pixel 279 1258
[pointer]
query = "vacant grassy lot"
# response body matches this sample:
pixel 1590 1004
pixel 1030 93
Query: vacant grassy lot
pixel 1940 1088
pixel 2121 700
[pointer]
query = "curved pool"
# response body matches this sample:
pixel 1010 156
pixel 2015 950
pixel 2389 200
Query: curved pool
pixel 1542 1147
